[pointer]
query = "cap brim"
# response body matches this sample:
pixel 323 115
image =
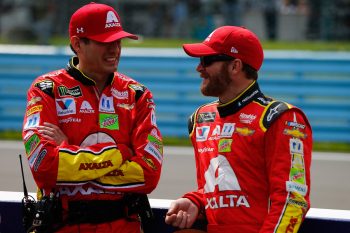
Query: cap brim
pixel 109 37
pixel 198 50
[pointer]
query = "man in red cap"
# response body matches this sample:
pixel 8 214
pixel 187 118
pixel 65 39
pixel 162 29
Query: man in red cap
pixel 90 133
pixel 252 152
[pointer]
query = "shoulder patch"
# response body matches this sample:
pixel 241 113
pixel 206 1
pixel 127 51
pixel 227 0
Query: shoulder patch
pixel 139 90
pixel 46 86
pixel 272 112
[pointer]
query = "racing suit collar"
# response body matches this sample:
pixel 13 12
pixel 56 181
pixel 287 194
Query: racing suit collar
pixel 80 76
pixel 248 95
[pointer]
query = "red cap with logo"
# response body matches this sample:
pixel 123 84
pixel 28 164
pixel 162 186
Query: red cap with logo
pixel 233 41
pixel 97 22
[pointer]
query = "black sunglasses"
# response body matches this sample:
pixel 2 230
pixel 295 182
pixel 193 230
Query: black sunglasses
pixel 208 60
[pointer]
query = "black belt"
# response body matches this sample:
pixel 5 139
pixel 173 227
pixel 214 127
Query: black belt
pixel 94 211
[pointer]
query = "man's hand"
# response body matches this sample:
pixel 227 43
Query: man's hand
pixel 52 132
pixel 182 213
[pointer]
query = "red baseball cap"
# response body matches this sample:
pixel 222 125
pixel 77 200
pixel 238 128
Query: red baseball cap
pixel 97 22
pixel 233 41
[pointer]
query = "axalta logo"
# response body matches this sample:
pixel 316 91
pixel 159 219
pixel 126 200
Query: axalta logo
pixel 95 166
pixel 112 20
pixel 227 201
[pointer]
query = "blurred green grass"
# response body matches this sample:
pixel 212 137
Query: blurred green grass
pixel 185 141
pixel 269 45
pixel 177 43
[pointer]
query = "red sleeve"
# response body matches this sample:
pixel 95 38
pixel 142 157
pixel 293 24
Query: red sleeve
pixel 288 151
pixel 50 163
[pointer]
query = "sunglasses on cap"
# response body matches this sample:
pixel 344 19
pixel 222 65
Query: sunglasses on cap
pixel 208 60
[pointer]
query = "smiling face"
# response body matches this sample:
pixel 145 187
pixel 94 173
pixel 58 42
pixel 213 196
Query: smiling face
pixel 97 60
pixel 216 78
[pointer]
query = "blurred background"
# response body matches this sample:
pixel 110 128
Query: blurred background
pixel 38 21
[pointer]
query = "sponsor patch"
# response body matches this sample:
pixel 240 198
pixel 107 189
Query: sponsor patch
pixel 156 143
pixel 244 131
pixel 34 155
pixel 227 130
pixel 65 106
pixel 206 117
pixel 205 149
pixel 31 144
pixel 295 124
pixel 149 162
pixel 296 133
pixel 122 95
pixel 296 146
pixel 74 91
pixel 153 118
pixel 46 86
pixel 126 106
pixel 86 107
pixel 109 121
pixel 246 118
pixel 152 150
pixel 106 104
pixel 295 187
pixel 225 145
pixel 202 133
pixel 95 166
pixel 37 108
pixel 40 158
pixel 32 121
pixel 34 100
pixel 70 120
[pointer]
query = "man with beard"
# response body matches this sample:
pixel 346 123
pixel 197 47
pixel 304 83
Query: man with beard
pixel 252 153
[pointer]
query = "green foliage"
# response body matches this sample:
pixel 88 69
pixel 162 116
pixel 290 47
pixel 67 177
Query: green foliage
pixel 269 45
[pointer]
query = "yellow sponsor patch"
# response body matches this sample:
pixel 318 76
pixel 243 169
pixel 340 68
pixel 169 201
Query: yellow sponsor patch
pixel 37 108
pixel 83 165
pixel 296 133
pixel 244 131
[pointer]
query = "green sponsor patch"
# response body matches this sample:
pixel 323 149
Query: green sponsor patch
pixel 31 144
pixel 109 121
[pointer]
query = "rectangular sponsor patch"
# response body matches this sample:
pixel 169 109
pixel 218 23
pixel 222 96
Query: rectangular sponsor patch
pixel 295 187
pixel 154 152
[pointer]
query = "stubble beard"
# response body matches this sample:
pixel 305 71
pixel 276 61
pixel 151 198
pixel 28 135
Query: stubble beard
pixel 216 83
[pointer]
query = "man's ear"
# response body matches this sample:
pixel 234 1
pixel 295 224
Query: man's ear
pixel 75 43
pixel 236 65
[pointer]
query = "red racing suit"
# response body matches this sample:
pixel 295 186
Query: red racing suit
pixel 114 145
pixel 253 158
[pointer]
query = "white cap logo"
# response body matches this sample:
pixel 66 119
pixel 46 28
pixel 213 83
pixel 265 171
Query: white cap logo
pixel 111 20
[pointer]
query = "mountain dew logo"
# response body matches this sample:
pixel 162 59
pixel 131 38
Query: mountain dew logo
pixel 109 121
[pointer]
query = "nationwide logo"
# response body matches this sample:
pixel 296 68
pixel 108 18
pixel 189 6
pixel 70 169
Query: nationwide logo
pixel 112 20
pixel 74 91
pixel 65 106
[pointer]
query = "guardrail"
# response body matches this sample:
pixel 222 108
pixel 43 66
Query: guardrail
pixel 317 82
pixel 317 220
